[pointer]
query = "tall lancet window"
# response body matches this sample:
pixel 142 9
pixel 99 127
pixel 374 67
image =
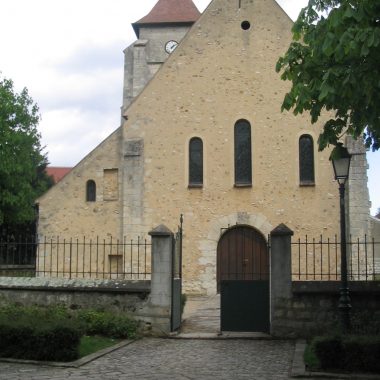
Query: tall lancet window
pixel 243 153
pixel 306 160
pixel 90 191
pixel 195 162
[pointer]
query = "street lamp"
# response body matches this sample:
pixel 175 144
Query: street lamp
pixel 341 162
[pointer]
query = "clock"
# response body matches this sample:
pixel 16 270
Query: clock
pixel 170 46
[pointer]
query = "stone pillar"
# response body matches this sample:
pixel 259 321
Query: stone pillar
pixel 133 188
pixel 280 278
pixel 161 280
pixel 358 204
pixel 358 217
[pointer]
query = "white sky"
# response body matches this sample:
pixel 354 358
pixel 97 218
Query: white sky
pixel 68 53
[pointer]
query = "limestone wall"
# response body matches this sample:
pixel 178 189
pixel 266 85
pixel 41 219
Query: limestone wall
pixel 219 74
pixel 64 211
pixel 144 57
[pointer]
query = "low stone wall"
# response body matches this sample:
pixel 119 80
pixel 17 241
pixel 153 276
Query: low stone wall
pixel 313 308
pixel 147 301
pixel 307 308
pixel 111 295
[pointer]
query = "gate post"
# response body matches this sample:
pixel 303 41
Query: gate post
pixel 161 278
pixel 280 277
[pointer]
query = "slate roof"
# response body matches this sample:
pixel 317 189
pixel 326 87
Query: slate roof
pixel 169 12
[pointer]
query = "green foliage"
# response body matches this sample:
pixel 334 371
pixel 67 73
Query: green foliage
pixel 22 163
pixel 54 333
pixel 333 64
pixel 107 324
pixel 28 337
pixel 347 353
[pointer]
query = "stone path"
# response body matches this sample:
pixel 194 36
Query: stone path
pixel 166 359
pixel 201 315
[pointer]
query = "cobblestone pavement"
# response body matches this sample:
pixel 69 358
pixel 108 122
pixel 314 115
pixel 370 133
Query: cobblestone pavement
pixel 167 359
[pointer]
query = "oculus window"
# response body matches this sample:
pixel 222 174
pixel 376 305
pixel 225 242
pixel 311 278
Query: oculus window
pixel 306 160
pixel 195 162
pixel 243 153
pixel 90 191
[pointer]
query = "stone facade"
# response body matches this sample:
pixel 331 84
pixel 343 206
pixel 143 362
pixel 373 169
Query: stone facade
pixel 222 72
pixel 145 56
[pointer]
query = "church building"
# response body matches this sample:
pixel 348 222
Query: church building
pixel 202 134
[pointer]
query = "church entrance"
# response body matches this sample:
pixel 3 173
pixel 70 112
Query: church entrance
pixel 243 280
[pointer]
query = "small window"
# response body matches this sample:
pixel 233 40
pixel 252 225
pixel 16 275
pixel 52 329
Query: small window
pixel 306 160
pixel 195 162
pixel 90 191
pixel 243 154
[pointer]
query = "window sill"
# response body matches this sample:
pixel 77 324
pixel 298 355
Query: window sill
pixel 243 185
pixel 195 186
pixel 307 184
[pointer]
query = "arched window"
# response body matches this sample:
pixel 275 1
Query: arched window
pixel 90 191
pixel 243 153
pixel 306 160
pixel 196 162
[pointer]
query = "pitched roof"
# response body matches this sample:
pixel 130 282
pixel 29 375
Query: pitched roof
pixel 170 12
pixel 57 172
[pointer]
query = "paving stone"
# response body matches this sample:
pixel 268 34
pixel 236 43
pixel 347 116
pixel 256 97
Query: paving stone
pixel 174 359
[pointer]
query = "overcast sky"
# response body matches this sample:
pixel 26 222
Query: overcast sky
pixel 69 54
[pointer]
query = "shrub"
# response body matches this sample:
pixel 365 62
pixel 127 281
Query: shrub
pixel 107 324
pixel 39 340
pixel 53 333
pixel 349 353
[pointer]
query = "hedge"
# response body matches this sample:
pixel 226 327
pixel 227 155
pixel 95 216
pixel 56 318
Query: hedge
pixel 348 353
pixel 53 341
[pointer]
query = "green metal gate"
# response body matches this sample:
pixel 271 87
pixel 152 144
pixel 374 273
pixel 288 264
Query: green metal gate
pixel 243 280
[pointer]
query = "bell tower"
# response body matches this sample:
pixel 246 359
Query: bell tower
pixel 158 33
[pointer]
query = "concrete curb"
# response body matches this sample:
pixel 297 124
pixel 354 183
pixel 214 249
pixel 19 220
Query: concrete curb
pixel 74 364
pixel 298 369
pixel 221 335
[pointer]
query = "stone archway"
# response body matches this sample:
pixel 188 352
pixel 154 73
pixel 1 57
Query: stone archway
pixel 208 246
pixel 243 279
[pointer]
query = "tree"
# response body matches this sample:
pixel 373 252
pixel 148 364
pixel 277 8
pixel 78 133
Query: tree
pixel 377 213
pixel 334 64
pixel 22 163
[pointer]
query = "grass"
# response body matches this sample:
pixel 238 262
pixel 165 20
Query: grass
pixel 90 344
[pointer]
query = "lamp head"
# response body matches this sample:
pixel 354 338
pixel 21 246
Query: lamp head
pixel 341 160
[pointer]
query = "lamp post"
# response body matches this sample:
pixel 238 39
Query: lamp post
pixel 341 162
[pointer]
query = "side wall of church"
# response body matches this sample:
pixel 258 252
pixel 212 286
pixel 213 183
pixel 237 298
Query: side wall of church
pixel 219 75
pixel 64 210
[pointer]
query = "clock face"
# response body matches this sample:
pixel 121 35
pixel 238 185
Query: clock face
pixel 170 46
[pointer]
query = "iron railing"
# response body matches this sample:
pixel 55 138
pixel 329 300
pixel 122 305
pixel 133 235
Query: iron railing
pixel 77 258
pixel 319 259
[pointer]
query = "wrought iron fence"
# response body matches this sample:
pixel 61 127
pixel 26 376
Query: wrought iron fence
pixel 319 259
pixel 77 258
pixel 17 256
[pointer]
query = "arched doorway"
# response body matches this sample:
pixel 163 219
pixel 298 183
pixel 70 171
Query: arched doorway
pixel 243 280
